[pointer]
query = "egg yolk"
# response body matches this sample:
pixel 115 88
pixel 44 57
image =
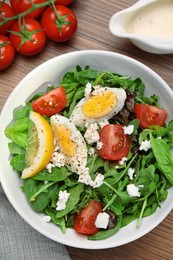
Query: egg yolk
pixel 63 135
pixel 100 105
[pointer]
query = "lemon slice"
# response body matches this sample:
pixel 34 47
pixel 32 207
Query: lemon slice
pixel 43 146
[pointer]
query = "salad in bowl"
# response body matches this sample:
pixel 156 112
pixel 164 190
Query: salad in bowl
pixel 91 151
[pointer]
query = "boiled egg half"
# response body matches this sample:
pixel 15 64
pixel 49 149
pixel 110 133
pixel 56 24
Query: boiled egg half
pixel 103 103
pixel 70 143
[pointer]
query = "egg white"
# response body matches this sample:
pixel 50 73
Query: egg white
pixel 79 119
pixel 77 161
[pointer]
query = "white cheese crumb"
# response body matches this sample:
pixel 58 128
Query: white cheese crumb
pixel 121 162
pixel 88 90
pixel 98 181
pixel 62 200
pixel 57 159
pixel 130 172
pixel 133 191
pixel 91 151
pixel 103 123
pixel 85 178
pixel 47 218
pixel 128 130
pixel 102 220
pixel 99 145
pixel 91 135
pixel 145 145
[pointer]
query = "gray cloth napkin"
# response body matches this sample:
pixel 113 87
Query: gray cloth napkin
pixel 19 241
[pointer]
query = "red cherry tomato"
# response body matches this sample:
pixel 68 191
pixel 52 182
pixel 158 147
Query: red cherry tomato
pixel 60 27
pixel 20 6
pixel 30 39
pixel 7 52
pixel 150 115
pixel 51 102
pixel 116 144
pixel 5 11
pixel 63 2
pixel 84 222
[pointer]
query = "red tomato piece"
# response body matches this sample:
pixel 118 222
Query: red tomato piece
pixel 30 38
pixel 59 26
pixel 150 115
pixel 51 102
pixel 63 2
pixel 20 6
pixel 7 52
pixel 116 144
pixel 84 222
pixel 5 11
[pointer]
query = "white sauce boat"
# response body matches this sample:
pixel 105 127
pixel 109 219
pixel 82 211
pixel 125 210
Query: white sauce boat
pixel 120 21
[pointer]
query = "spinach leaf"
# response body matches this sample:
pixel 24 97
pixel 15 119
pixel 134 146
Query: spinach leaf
pixel 40 202
pixel 58 174
pixel 163 156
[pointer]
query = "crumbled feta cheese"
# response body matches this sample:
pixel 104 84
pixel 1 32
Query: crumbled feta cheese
pixel 99 145
pixel 103 123
pixel 91 135
pixel 128 130
pixel 130 172
pixel 98 181
pixel 85 178
pixel 145 145
pixel 62 200
pixel 58 159
pixel 91 151
pixel 121 162
pixel 88 90
pixel 133 191
pixel 47 218
pixel 49 167
pixel 102 220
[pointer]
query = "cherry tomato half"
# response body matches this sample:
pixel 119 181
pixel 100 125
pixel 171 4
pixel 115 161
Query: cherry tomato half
pixel 116 144
pixel 7 52
pixel 51 102
pixel 84 222
pixel 150 115
pixel 59 27
pixel 5 11
pixel 30 39
pixel 20 6
pixel 63 2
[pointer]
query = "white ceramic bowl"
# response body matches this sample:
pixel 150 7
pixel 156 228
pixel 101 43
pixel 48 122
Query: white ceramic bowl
pixel 51 71
pixel 117 26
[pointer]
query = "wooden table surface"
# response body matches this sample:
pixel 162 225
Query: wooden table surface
pixel 93 33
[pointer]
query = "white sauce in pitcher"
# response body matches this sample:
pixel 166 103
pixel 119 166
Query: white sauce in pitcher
pixel 155 20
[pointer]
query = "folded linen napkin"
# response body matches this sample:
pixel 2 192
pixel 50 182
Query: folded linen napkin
pixel 19 241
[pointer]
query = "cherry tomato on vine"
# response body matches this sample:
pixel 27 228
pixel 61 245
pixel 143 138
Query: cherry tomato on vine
pixel 20 6
pixel 63 2
pixel 116 144
pixel 84 222
pixel 7 52
pixel 27 36
pixel 150 115
pixel 51 102
pixel 5 11
pixel 60 24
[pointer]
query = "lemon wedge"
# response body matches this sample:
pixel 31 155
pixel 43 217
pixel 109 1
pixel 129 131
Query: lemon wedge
pixel 44 146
